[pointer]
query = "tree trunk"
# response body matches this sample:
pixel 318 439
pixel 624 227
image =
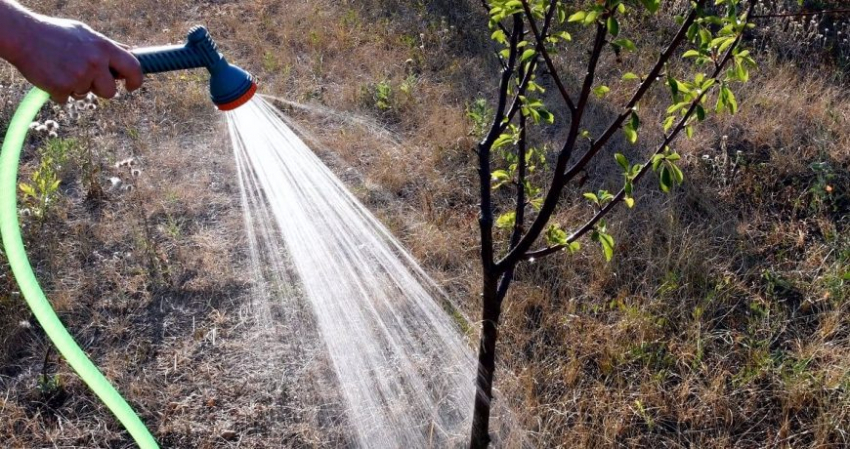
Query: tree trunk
pixel 486 363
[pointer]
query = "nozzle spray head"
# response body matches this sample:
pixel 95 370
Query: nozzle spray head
pixel 230 86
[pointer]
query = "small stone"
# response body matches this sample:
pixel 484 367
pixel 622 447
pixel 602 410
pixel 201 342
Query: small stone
pixel 229 435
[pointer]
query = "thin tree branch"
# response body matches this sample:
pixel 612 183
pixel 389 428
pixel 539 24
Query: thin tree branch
pixel 622 193
pixel 558 183
pixel 519 217
pixel 516 103
pixel 485 219
pixel 636 97
pixel 541 48
pixel 505 284
pixel 530 72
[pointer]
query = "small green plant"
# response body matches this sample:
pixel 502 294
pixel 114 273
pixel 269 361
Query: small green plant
pixel 48 385
pixel 270 62
pixel 43 189
pixel 644 414
pixel 382 95
pixel 350 19
pixel 822 190
pixel 408 85
pixel 479 113
pixel 173 226
pixel 60 150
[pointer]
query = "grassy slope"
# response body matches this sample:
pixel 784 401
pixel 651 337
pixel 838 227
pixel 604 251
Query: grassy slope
pixel 721 322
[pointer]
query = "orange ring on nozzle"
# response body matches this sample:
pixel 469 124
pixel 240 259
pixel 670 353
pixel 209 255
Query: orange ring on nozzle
pixel 239 101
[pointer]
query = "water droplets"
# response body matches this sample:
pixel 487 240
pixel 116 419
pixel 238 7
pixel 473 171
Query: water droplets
pixel 402 365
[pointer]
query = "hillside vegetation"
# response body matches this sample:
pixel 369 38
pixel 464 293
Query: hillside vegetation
pixel 722 320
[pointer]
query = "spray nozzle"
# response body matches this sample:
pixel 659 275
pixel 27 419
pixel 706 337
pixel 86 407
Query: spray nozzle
pixel 230 86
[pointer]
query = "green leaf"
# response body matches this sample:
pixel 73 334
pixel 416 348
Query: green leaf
pixel 674 86
pixel 546 116
pixel 631 134
pixel 678 176
pixel 555 235
pixel 629 202
pixel 668 123
pixel 691 54
pixel 621 159
pixel 499 36
pixel 672 109
pixel 574 247
pixel 651 5
pixel 625 44
pixel 630 76
pixel 536 203
pixel 592 197
pixel 607 243
pixel 656 161
pixel 742 72
pixel 502 140
pixel 717 41
pixel 577 17
pixel 726 100
pixel 613 26
pixel 731 102
pixel 499 178
pixel 635 170
pixel 665 179
pixel 506 220
pixel 601 91
pixel 27 189
pixel 526 55
pixel 726 44
pixel 591 17
pixel 565 36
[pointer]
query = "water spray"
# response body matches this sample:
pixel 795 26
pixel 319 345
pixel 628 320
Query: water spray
pixel 230 87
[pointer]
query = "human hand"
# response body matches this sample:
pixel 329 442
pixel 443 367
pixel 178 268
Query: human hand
pixel 67 58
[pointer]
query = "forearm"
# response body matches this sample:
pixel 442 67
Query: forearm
pixel 16 24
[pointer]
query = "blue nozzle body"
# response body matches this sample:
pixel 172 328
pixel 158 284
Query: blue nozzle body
pixel 230 86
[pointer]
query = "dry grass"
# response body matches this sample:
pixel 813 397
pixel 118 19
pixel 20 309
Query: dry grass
pixel 722 322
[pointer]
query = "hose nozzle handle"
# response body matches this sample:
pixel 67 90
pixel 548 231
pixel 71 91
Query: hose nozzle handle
pixel 230 86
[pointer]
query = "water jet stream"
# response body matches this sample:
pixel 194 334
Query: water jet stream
pixel 404 369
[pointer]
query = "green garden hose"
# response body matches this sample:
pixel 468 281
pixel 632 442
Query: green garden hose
pixel 41 308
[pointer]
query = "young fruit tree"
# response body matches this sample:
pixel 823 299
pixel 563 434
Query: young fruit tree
pixel 697 66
